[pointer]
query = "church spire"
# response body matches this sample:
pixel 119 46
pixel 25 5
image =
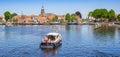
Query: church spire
pixel 42 7
pixel 42 11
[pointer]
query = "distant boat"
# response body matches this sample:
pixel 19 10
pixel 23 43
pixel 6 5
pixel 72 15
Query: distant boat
pixel 97 26
pixel 9 24
pixel 55 23
pixel 111 24
pixel 72 23
pixel 51 40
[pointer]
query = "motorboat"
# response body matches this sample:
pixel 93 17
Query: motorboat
pixel 55 23
pixel 9 24
pixel 72 23
pixel 51 40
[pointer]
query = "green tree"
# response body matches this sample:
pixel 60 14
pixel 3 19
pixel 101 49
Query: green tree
pixel 15 20
pixel 90 13
pixel 13 14
pixel 0 18
pixel 68 17
pixel 104 13
pixel 111 14
pixel 62 21
pixel 96 13
pixel 118 17
pixel 73 17
pixel 55 18
pixel 7 15
pixel 100 13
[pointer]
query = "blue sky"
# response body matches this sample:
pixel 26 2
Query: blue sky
pixel 58 7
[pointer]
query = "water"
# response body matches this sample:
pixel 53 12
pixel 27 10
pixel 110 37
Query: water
pixel 78 41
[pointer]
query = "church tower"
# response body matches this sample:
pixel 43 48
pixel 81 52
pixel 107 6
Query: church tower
pixel 42 11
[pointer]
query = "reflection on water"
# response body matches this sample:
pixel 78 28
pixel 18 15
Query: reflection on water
pixel 78 40
pixel 105 32
pixel 74 27
pixel 53 51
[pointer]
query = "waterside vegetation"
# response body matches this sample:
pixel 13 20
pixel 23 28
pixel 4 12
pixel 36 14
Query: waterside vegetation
pixel 98 15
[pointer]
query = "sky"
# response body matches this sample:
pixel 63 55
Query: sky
pixel 59 7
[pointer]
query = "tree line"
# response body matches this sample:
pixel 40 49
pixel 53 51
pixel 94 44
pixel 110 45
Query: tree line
pixel 70 17
pixel 104 14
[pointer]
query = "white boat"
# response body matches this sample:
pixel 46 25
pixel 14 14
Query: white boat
pixel 9 24
pixel 55 23
pixel 51 40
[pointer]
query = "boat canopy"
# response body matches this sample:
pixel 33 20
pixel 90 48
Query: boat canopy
pixel 54 34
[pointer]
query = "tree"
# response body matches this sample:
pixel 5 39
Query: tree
pixel 7 15
pixel 73 17
pixel 100 13
pixel 90 13
pixel 55 18
pixel 111 14
pixel 15 20
pixel 0 18
pixel 104 13
pixel 118 17
pixel 13 14
pixel 62 21
pixel 68 18
pixel 96 14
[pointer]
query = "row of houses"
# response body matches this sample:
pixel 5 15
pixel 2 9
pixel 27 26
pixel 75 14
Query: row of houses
pixel 42 17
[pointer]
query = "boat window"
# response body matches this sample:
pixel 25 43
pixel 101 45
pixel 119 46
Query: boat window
pixel 51 37
pixel 57 36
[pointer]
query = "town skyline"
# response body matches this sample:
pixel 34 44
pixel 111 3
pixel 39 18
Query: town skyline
pixel 59 7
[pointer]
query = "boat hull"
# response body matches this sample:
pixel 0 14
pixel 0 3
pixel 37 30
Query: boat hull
pixel 54 23
pixel 50 45
pixel 72 23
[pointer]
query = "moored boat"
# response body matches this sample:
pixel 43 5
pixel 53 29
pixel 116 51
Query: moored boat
pixel 72 23
pixel 9 24
pixel 55 23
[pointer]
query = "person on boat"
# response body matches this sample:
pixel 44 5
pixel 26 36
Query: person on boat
pixel 46 39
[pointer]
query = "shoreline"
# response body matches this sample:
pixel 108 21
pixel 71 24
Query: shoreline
pixel 91 23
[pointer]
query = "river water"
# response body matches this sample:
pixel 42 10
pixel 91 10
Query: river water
pixel 78 41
